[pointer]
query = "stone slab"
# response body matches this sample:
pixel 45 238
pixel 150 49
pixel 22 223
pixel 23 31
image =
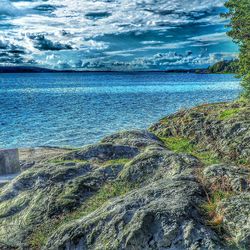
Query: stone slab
pixel 9 161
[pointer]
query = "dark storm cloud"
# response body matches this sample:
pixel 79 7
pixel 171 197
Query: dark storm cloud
pixel 43 43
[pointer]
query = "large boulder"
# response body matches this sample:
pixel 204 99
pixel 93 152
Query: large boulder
pixel 47 191
pixel 155 163
pixel 163 215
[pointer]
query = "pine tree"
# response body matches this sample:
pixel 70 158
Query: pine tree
pixel 239 14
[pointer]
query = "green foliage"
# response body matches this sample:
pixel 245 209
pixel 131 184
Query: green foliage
pixel 239 14
pixel 183 145
pixel 225 67
pixel 230 113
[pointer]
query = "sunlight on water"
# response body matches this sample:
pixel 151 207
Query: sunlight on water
pixel 171 88
pixel 79 109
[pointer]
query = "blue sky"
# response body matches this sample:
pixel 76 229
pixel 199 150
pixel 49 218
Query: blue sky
pixel 113 34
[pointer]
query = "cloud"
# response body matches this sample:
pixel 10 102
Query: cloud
pixel 214 37
pixel 43 43
pixel 112 33
pixel 97 15
pixel 7 8
pixel 159 61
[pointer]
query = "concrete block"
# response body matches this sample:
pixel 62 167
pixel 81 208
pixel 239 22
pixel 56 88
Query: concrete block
pixel 9 161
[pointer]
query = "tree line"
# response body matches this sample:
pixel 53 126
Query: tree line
pixel 239 15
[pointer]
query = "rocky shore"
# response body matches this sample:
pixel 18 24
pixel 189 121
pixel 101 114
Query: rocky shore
pixel 182 184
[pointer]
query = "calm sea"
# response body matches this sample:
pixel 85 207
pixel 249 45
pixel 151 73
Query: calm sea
pixel 79 109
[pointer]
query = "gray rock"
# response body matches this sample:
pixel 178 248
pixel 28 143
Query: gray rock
pixel 9 161
pixel 236 219
pixel 228 137
pixel 156 163
pixel 130 191
pixel 135 138
pixel 237 178
pixel 39 194
pixel 162 215
pixel 102 152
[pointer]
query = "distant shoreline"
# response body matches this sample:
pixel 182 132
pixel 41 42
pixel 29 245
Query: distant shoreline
pixel 24 69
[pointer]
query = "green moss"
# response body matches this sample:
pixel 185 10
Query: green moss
pixel 178 144
pixel 207 157
pixel 183 145
pixel 10 207
pixel 108 191
pixel 230 113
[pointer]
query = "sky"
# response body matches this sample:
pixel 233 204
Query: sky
pixel 114 34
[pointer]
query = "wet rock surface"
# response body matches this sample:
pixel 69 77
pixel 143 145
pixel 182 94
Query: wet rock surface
pixel 132 191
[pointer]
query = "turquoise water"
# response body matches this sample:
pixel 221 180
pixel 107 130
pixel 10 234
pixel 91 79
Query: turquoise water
pixel 78 109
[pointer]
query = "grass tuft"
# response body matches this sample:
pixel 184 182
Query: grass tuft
pixel 178 144
pixel 210 208
pixel 183 145
pixel 216 193
pixel 228 114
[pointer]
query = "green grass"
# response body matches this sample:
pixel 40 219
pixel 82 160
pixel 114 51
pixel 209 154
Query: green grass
pixel 210 208
pixel 215 198
pixel 108 191
pixel 178 144
pixel 207 157
pixel 230 113
pixel 183 145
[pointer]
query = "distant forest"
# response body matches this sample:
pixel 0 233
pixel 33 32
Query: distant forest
pixel 224 67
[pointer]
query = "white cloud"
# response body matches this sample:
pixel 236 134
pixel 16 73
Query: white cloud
pixel 117 28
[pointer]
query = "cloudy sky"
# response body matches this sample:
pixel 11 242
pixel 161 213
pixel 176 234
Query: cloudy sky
pixel 113 34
